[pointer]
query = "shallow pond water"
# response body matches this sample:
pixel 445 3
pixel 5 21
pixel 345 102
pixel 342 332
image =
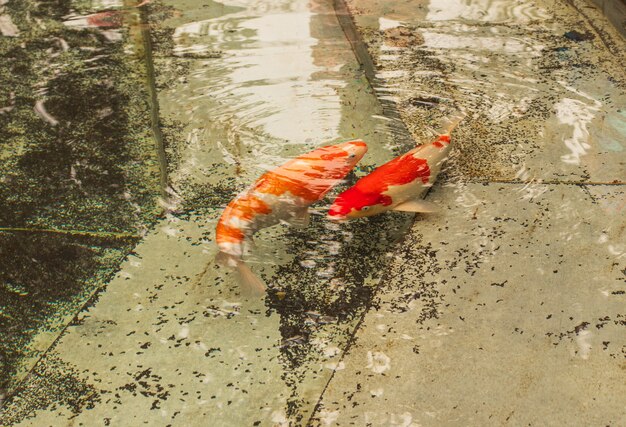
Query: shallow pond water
pixel 509 297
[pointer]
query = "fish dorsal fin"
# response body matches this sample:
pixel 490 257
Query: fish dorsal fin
pixel 417 206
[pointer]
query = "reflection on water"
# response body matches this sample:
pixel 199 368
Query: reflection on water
pixel 485 10
pixel 263 89
pixel 287 82
pixel 577 114
pixel 541 82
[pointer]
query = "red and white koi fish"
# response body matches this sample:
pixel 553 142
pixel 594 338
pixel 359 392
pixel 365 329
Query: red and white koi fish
pixel 397 185
pixel 283 194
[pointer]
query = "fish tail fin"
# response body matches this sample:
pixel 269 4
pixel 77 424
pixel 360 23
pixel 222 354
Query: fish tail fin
pixel 225 259
pixel 251 284
pixel 447 125
pixel 450 123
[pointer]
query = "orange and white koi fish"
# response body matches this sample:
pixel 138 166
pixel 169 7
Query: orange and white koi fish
pixel 283 194
pixel 397 185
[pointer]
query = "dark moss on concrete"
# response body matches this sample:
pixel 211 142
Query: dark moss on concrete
pixel 88 160
pixel 51 382
pixel 326 289
pixel 43 279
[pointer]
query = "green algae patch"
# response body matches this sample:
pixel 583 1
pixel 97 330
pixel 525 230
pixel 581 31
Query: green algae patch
pixel 76 146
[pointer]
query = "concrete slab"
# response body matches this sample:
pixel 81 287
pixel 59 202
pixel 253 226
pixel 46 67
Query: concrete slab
pixel 507 308
pixel 159 349
pixel 541 84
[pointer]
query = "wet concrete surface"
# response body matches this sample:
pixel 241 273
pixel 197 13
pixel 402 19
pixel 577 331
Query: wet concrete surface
pixel 540 104
pixel 506 307
pixel 498 314
pixel 78 179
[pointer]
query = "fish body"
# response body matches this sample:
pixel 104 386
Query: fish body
pixel 282 194
pixel 396 185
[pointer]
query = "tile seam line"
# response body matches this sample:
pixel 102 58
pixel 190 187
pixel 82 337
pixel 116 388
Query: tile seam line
pixel 145 36
pixel 389 109
pixel 351 341
pixel 386 276
pixel 19 386
pixel 539 182
pixel 602 35
pixel 352 338
pixel 79 233
pixel 361 52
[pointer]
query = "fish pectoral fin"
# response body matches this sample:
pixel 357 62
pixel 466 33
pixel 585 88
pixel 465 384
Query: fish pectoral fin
pixel 301 218
pixel 417 206
pixel 227 260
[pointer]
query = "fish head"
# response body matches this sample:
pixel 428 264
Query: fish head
pixel 330 161
pixel 357 203
pixel 354 151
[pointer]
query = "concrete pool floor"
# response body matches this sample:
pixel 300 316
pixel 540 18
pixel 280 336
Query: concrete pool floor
pixel 507 307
